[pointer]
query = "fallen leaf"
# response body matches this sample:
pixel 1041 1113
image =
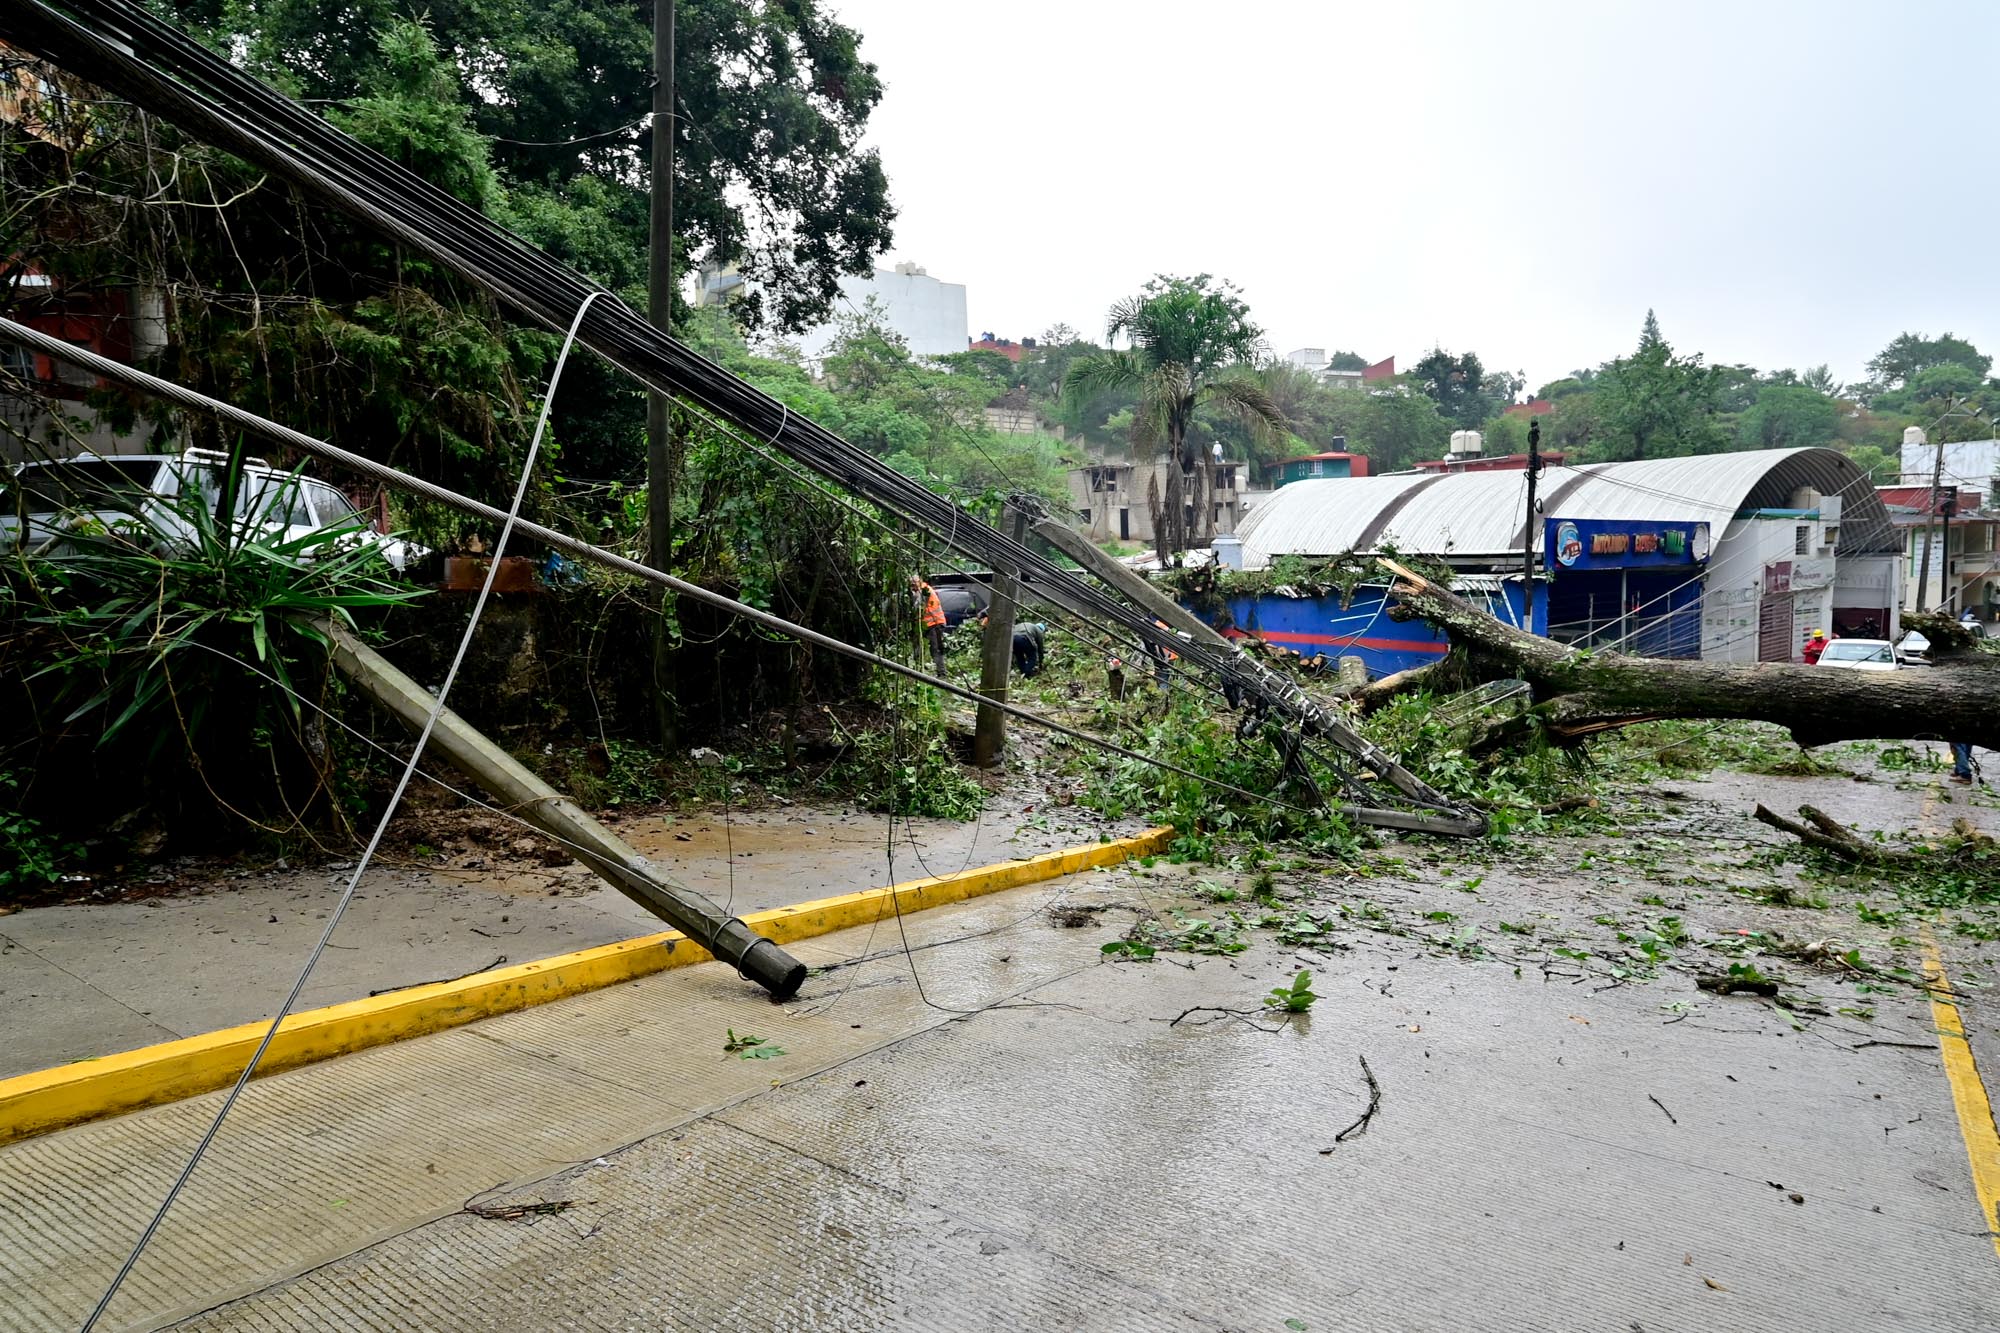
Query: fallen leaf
pixel 1579 1018
pixel 1687 1261
pixel 1796 1198
pixel 1713 1285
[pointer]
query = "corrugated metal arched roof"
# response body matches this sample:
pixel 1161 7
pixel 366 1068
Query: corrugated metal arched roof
pixel 1477 514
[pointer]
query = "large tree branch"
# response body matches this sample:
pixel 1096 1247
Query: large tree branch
pixel 1576 691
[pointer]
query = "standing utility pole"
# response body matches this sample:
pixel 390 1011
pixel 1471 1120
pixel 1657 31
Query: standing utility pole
pixel 996 653
pixel 1924 570
pixel 1946 593
pixel 660 459
pixel 1528 528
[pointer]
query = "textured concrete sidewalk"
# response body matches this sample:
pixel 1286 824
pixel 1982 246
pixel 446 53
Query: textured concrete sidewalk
pixel 1033 1142
pixel 85 980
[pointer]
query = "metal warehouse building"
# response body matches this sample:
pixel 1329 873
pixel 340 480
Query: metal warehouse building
pixel 1726 557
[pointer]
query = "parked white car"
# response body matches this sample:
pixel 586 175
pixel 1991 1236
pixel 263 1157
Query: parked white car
pixel 47 500
pixel 1861 655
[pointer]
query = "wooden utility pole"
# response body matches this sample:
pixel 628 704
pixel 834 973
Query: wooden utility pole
pixel 1528 528
pixel 660 452
pixel 996 654
pixel 1930 517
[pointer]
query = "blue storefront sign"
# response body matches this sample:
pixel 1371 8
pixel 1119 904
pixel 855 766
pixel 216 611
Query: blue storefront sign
pixel 1591 543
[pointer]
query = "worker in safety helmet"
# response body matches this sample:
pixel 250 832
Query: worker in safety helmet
pixel 1815 645
pixel 932 611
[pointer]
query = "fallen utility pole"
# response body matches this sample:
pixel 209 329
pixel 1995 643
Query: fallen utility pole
pixel 1578 693
pixel 528 797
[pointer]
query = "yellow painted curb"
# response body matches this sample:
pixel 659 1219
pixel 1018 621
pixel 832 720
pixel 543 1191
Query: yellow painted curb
pixel 49 1099
pixel 1968 1091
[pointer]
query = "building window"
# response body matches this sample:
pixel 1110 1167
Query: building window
pixel 1802 540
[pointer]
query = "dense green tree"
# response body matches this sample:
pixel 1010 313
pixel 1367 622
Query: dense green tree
pixel 1883 466
pixel 770 171
pixel 1347 361
pixel 1456 384
pixel 1911 354
pixel 1577 381
pixel 771 174
pixel 1655 403
pixel 1505 435
pixel 1395 428
pixel 1193 348
pixel 1788 417
pixel 1931 390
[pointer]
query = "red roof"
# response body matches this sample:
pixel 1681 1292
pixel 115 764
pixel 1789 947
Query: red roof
pixel 1534 407
pixel 1919 498
pixel 1381 370
pixel 1010 350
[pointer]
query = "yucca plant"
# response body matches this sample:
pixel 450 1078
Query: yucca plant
pixel 180 662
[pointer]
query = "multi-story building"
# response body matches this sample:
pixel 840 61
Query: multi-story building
pixel 1951 544
pixel 1115 499
pixel 927 314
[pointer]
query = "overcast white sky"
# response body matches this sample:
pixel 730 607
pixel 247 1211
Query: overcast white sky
pixel 1786 183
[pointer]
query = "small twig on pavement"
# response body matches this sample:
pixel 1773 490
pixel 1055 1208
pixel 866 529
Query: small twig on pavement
pixel 1905 1045
pixel 442 981
pixel 1360 1126
pixel 1241 1015
pixel 1663 1108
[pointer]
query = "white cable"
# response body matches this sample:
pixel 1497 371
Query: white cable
pixel 361 866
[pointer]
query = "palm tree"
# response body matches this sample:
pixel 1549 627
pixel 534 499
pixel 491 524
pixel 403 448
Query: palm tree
pixel 1192 347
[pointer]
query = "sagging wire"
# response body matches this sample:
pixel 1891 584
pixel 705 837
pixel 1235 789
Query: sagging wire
pixel 346 898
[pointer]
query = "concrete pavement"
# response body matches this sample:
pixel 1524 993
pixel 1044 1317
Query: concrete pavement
pixel 86 980
pixel 1030 1139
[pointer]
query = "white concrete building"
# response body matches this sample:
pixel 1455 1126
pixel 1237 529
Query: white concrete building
pixel 928 314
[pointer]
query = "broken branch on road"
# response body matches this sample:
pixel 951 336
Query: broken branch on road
pixel 1367 1117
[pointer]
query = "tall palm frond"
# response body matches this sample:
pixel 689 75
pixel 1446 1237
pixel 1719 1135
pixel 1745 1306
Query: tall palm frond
pixel 1243 393
pixel 1101 372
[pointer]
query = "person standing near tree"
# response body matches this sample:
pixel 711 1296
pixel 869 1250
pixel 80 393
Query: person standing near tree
pixel 1163 658
pixel 932 611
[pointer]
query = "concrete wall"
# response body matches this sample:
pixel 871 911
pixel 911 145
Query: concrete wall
pixel 928 314
pixel 1735 588
pixel 1974 463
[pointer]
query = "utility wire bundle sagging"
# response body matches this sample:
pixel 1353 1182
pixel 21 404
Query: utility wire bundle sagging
pixel 119 45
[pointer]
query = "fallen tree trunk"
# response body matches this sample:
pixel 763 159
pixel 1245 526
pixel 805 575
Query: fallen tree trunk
pixel 1578 692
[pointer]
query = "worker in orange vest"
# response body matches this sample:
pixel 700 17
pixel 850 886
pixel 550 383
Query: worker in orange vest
pixel 933 615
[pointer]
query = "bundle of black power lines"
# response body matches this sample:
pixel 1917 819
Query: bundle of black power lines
pixel 118 45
